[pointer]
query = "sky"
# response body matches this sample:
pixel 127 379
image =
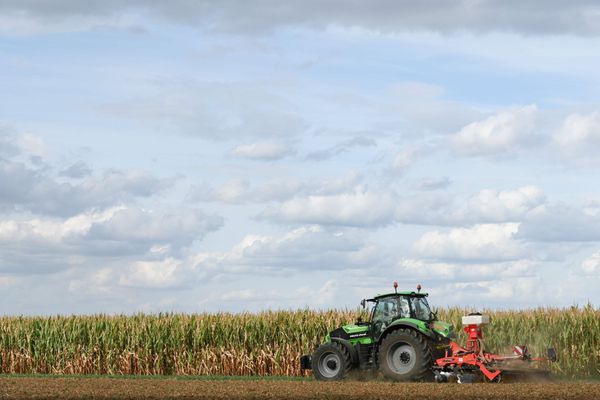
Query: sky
pixel 239 156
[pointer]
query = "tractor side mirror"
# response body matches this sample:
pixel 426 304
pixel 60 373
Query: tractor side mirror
pixel 363 303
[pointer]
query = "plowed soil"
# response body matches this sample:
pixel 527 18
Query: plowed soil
pixel 115 388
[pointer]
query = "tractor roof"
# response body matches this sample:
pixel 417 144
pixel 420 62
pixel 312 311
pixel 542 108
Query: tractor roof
pixel 380 296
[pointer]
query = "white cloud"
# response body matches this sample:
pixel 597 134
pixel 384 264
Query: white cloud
pixel 176 228
pixel 90 239
pixel 233 191
pixel 218 111
pixel 339 148
pixel 32 145
pixel 154 274
pixel 591 264
pixel 491 205
pixel 436 271
pixel 17 21
pixel 404 159
pixel 323 296
pixel 242 295
pixel 433 183
pixel 13 144
pixel 496 291
pixel 8 148
pixel 51 229
pixel 266 151
pixel 239 191
pixel 375 208
pixel 579 135
pixel 305 248
pixel 557 222
pixel 530 18
pixel 28 189
pixel 503 133
pixel 485 242
pixel 361 208
pixel 328 292
pixel 77 170
pixel 41 245
pixel 420 109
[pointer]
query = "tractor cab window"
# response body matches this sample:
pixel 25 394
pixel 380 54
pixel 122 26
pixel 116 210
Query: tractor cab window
pixel 385 310
pixel 421 308
pixel 388 309
pixel 404 307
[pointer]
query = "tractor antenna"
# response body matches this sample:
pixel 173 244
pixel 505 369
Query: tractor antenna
pixel 395 287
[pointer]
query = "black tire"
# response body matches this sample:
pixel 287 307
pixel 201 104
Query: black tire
pixel 331 362
pixel 405 355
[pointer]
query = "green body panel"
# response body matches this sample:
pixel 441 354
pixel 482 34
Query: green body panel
pixel 353 328
pixel 421 325
pixel 443 328
pixel 364 340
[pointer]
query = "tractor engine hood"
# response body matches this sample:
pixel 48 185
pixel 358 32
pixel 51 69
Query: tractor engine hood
pixel 353 333
pixel 444 329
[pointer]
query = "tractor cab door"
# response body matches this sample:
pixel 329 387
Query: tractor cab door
pixel 386 311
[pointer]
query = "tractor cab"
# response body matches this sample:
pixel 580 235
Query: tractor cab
pixel 391 307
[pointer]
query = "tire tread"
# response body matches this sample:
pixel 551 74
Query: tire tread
pixel 423 370
pixel 345 358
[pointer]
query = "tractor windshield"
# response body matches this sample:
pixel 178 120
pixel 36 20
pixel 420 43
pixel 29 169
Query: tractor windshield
pixel 421 308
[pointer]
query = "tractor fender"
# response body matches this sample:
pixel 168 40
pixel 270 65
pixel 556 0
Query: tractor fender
pixel 410 325
pixel 351 349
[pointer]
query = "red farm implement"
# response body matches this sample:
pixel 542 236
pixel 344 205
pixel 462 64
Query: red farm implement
pixel 464 363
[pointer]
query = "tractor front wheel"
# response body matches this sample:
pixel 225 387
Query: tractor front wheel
pixel 405 355
pixel 331 362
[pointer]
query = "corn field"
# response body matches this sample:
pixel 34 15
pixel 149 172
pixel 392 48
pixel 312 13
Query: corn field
pixel 267 343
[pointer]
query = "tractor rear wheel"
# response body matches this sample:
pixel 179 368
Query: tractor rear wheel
pixel 331 362
pixel 405 355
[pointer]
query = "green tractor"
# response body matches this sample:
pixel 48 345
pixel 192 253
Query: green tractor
pixel 402 339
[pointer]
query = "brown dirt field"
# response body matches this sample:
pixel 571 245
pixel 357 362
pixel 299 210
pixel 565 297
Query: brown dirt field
pixel 115 388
